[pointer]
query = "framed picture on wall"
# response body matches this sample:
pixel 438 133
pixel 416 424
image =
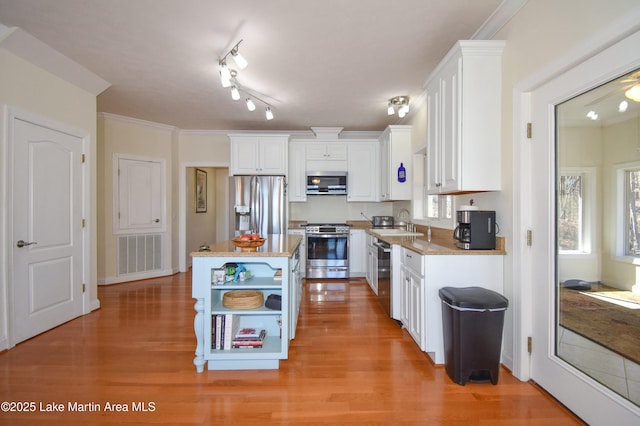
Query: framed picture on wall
pixel 201 191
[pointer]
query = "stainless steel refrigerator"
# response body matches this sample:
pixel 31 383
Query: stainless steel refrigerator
pixel 258 205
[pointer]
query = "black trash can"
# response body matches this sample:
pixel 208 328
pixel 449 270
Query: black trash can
pixel 472 323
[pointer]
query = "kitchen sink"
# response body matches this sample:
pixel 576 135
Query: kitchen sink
pixel 396 233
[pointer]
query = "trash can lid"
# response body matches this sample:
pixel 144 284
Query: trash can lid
pixel 472 298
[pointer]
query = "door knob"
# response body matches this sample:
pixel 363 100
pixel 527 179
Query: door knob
pixel 21 243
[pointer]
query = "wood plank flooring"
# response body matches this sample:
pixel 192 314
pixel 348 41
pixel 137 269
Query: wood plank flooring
pixel 349 365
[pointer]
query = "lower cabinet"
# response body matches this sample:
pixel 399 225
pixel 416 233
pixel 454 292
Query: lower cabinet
pixel 421 276
pixel 413 306
pixel 372 263
pixel 357 248
pixel 303 249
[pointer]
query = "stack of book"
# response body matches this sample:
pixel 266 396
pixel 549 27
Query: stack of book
pixel 249 338
pixel 226 333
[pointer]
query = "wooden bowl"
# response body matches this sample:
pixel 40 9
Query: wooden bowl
pixel 248 245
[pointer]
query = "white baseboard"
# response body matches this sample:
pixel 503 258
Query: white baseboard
pixel 135 277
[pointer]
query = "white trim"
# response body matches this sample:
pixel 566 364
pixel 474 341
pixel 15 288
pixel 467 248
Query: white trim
pixel 498 19
pixel 136 121
pixel 116 195
pixel 29 48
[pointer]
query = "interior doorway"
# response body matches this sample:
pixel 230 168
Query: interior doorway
pixel 202 221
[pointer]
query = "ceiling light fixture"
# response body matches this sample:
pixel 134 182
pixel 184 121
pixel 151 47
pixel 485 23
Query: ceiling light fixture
pixel 623 106
pixel 633 93
pixel 269 113
pixel 399 103
pixel 250 105
pixel 592 115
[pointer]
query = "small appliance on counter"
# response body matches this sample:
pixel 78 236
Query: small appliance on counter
pixel 382 222
pixel 476 229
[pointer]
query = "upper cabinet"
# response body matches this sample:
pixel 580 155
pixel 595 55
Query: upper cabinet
pixel 362 182
pixel 297 178
pixel 463 97
pixel 254 154
pixel 395 162
pixel 326 151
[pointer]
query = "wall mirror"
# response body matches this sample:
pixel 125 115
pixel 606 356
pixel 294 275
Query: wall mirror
pixel 598 234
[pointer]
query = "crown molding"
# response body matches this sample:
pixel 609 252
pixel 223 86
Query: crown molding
pixel 136 121
pixel 498 19
pixel 29 48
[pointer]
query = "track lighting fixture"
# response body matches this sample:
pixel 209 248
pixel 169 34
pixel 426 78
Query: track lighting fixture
pixel 399 103
pixel 228 79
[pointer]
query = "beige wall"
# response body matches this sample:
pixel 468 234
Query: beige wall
pixel 541 33
pixel 34 90
pixel 123 136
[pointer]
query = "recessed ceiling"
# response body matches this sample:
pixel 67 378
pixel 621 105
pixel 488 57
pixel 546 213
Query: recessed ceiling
pixel 318 63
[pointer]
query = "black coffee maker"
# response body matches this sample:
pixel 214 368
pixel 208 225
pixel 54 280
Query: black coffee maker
pixel 476 230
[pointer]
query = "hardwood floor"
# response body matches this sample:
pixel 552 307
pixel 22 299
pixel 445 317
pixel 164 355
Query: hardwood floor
pixel 349 364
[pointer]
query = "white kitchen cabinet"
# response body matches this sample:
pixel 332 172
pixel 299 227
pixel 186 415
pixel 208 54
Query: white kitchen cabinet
pixel 259 154
pixel 326 151
pixel 413 284
pixel 297 177
pixel 463 99
pixel 395 152
pixel 357 251
pixel 362 172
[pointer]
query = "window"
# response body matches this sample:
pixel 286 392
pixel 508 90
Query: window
pixel 631 209
pixel 439 206
pixel 575 210
pixel 570 213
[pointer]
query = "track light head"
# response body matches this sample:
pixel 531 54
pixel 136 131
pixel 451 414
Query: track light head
pixel 250 105
pixel 269 113
pixel 399 103
pixel 235 93
pixel 240 61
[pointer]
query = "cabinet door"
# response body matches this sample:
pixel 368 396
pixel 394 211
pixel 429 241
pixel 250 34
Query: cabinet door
pixel 336 151
pixel 297 179
pixel 362 172
pixel 433 137
pixel 316 151
pixel 245 156
pixel 451 125
pixel 416 311
pixel 405 283
pixel 385 151
pixel 273 156
pixel 357 250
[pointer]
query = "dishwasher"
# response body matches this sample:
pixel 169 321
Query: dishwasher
pixel 384 275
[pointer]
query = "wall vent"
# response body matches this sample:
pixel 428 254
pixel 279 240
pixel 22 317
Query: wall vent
pixel 139 253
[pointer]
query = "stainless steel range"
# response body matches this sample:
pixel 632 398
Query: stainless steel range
pixel 327 250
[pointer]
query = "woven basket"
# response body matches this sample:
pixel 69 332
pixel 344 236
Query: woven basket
pixel 243 299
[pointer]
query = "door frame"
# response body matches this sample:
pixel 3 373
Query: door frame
pixel 11 114
pixel 523 103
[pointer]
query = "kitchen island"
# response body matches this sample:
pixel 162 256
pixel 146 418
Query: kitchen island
pixel 271 270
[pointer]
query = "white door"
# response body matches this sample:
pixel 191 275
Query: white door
pixel 584 396
pixel 140 204
pixel 47 266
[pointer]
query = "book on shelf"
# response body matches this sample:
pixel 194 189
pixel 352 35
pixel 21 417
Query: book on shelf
pixel 248 332
pixel 231 326
pixel 254 346
pixel 248 341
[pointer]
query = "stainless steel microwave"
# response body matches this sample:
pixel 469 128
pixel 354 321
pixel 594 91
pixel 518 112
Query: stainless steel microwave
pixel 326 183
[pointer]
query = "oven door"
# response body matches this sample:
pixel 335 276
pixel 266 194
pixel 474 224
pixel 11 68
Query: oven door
pixel 327 255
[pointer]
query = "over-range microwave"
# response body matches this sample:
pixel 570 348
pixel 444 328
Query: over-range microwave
pixel 326 183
